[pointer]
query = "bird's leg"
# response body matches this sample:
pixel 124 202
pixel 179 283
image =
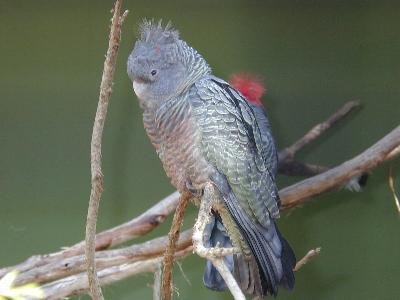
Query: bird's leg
pixel 208 200
pixel 214 254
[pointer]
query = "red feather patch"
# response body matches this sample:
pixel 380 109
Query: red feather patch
pixel 250 86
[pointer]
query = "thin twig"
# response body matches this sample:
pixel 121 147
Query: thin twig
pixel 317 131
pixel 95 151
pixel 310 255
pixel 391 185
pixel 166 286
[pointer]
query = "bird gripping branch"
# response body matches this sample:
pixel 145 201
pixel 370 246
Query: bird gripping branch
pixel 205 131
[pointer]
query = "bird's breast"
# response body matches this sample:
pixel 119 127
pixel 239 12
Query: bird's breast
pixel 175 135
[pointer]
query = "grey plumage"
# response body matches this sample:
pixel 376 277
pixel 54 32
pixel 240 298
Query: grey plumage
pixel 205 131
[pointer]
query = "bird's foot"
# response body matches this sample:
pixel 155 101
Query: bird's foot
pixel 196 193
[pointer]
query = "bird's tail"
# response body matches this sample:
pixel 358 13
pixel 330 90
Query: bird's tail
pixel 215 234
pixel 244 270
pixel 273 255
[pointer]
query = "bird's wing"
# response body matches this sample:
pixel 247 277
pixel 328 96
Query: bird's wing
pixel 268 150
pixel 232 142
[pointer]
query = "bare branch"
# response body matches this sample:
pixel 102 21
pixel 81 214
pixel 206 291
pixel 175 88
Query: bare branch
pixel 78 284
pixel 370 158
pixel 317 131
pixel 166 287
pixel 95 151
pixel 310 255
pixel 104 259
pixel 138 226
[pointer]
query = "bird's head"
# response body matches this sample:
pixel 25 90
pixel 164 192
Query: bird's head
pixel 160 65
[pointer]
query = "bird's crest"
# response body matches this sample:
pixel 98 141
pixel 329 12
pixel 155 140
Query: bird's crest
pixel 155 33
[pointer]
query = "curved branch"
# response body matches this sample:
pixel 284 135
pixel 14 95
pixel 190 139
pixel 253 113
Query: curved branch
pixel 95 151
pixel 370 158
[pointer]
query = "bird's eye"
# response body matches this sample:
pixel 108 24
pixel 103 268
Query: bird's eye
pixel 153 72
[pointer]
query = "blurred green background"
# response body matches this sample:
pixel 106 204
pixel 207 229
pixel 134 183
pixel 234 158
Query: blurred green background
pixel 314 56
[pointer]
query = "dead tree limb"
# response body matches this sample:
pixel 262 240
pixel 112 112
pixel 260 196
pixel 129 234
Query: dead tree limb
pixel 370 158
pixel 107 258
pixel 78 284
pixel 95 147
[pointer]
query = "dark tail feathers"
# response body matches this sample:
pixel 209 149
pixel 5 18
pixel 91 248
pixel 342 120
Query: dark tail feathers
pixel 273 254
pixel 214 234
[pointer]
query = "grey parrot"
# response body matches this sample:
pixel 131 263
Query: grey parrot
pixel 205 131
